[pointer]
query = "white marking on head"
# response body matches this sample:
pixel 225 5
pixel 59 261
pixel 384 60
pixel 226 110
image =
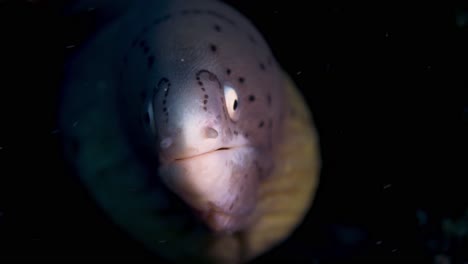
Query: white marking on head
pixel 150 111
pixel 166 143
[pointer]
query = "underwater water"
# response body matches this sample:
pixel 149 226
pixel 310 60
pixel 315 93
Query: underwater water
pixel 373 78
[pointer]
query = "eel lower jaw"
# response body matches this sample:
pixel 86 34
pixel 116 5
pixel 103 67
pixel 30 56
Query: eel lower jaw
pixel 218 220
pixel 210 184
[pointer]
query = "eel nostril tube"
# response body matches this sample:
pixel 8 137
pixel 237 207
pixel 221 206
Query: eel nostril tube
pixel 210 132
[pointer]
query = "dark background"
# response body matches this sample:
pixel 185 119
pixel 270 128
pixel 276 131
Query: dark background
pixel 382 81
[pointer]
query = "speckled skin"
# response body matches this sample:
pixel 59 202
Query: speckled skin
pixel 149 129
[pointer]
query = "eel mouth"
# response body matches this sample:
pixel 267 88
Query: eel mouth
pixel 204 154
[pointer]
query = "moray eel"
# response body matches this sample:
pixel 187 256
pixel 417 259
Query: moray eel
pixel 187 132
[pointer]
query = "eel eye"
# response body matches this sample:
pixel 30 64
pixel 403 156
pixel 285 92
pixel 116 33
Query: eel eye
pixel 232 102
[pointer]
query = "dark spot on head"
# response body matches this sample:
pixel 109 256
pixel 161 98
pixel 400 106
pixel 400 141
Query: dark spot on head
pixel 185 12
pixel 260 125
pixel 142 43
pixel 206 96
pixel 228 71
pixel 213 47
pixel 204 108
pixel 150 61
pixel 203 89
pixel 162 81
pixel 230 207
pixel 145 49
pixel 198 78
pixel 241 79
pixel 235 132
pixel 246 135
pixel 251 98
pixel 200 83
pixel 146 118
pixel 165 109
pixel 164 101
pixel 205 101
pixel 217 28
pixel 262 66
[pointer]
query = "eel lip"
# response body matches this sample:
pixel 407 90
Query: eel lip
pixel 202 154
